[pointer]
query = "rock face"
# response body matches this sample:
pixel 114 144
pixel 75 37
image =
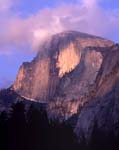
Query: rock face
pixel 104 107
pixel 75 73
pixel 66 66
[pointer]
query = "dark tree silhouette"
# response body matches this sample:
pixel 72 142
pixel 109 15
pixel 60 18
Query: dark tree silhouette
pixel 37 129
pixel 17 127
pixel 3 131
pixel 30 129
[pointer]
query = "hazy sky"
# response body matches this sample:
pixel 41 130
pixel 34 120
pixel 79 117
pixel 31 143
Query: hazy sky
pixel 24 24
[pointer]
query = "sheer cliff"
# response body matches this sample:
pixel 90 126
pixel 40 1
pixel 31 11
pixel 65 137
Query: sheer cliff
pixel 65 66
pixel 75 74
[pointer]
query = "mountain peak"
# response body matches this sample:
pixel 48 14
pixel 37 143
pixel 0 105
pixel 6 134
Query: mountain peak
pixel 76 33
pixel 63 53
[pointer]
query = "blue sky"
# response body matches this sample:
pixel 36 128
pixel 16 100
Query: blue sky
pixel 24 24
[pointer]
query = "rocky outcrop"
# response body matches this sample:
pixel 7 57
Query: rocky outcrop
pixel 66 66
pixel 62 109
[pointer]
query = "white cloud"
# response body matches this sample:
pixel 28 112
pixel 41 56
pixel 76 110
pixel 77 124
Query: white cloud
pixel 88 17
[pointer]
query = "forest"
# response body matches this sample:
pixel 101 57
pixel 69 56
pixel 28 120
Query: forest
pixel 31 129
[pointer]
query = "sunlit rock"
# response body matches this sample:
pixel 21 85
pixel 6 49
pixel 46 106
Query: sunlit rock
pixel 64 62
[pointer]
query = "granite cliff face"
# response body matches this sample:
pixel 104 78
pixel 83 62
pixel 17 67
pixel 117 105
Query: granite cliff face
pixel 75 73
pixel 66 66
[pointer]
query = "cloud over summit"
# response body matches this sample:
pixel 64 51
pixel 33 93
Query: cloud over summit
pixel 86 16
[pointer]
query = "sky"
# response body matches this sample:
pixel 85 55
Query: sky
pixel 24 24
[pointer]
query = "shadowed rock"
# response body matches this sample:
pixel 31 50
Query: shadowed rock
pixel 103 109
